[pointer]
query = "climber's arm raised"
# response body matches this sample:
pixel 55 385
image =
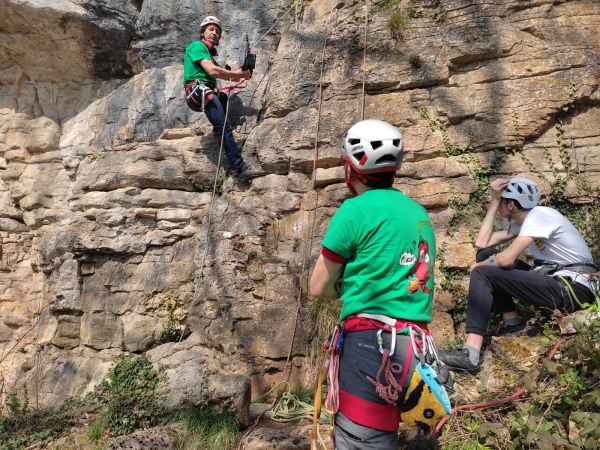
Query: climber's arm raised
pixel 218 72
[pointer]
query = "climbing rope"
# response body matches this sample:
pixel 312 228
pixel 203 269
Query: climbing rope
pixel 212 201
pixel 287 407
pixel 362 108
pixel 310 230
pixel 214 191
pixel 390 392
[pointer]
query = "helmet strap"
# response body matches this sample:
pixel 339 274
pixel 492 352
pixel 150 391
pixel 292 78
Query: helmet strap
pixel 350 175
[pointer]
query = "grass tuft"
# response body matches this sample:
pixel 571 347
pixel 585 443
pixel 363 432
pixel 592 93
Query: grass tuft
pixel 206 428
pixel 396 24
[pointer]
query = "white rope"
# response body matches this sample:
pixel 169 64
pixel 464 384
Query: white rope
pixel 362 108
pixel 212 201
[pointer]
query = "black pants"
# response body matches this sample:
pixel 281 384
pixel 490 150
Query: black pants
pixel 492 286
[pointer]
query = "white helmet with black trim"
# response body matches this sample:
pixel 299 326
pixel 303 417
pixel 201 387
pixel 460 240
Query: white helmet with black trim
pixel 210 20
pixel 525 191
pixel 373 146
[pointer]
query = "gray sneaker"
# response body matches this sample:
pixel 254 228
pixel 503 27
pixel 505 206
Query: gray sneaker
pixel 521 329
pixel 251 170
pixel 458 360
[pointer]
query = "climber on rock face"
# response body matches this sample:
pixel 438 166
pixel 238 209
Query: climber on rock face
pixel 200 74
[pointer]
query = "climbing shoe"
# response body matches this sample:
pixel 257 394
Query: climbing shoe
pixel 521 329
pixel 458 361
pixel 252 170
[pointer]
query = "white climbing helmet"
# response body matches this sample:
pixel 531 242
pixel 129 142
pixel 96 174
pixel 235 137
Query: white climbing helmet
pixel 525 191
pixel 210 20
pixel 373 146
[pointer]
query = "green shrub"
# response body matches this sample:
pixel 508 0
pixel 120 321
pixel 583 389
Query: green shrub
pixel 134 394
pixel 21 427
pixel 415 61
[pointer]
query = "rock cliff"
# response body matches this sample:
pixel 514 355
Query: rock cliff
pixel 108 225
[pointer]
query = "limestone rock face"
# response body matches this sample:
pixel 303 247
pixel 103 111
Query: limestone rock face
pixel 72 40
pixel 109 230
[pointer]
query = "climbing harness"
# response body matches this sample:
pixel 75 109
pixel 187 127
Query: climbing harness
pixel 199 93
pixel 426 401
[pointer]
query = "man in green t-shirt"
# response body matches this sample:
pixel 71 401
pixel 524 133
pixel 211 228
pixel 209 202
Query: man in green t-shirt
pixel 199 65
pixel 378 256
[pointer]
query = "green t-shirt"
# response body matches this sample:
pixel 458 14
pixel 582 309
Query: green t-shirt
pixel 192 70
pixel 390 245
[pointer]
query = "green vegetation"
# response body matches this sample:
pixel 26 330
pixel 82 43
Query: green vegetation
pixel 133 393
pixel 414 9
pixel 324 315
pixel 563 402
pixel 206 428
pixel 22 426
pixel 396 24
pixel 415 61
pixel 176 319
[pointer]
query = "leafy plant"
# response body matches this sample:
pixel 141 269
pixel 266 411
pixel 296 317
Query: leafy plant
pixel 134 393
pixel 21 427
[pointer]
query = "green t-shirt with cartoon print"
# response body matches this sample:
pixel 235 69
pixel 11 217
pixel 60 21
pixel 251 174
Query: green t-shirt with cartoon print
pixel 389 241
pixel 192 69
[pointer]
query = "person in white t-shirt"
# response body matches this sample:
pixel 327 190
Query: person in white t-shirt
pixel 562 264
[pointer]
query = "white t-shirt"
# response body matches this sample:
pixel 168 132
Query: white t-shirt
pixel 555 239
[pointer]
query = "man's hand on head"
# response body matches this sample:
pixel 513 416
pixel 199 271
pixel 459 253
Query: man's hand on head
pixel 497 187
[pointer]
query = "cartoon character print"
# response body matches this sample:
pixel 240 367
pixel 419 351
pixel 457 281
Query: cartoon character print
pixel 422 269
pixel 539 244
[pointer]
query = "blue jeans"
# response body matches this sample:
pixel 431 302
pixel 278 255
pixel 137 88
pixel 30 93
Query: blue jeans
pixel 215 112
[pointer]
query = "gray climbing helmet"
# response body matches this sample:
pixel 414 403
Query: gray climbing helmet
pixel 525 191
pixel 373 146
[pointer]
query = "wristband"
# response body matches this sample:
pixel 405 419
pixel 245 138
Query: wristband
pixel 492 261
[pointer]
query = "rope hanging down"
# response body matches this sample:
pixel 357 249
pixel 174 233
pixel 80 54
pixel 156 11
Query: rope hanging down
pixel 212 200
pixel 364 66
pixel 310 230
